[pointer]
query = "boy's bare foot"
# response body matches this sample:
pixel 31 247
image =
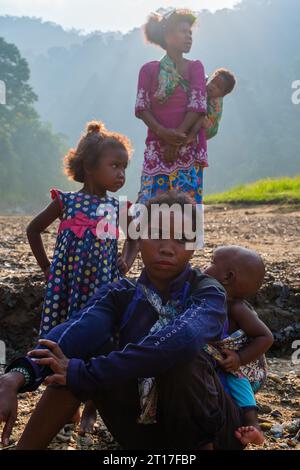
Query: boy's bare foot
pixel 88 419
pixel 249 435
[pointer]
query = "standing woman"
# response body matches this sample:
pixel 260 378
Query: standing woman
pixel 171 98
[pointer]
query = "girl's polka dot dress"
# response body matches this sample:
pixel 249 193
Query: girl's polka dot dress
pixel 82 262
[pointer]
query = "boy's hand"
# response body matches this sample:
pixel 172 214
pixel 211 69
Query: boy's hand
pixel 9 386
pixel 54 358
pixel 232 361
pixel 122 265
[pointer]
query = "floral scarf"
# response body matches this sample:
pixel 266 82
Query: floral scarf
pixel 168 80
pixel 147 386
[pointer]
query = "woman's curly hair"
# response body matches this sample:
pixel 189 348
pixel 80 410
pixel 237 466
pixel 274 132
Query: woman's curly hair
pixel 90 147
pixel 158 25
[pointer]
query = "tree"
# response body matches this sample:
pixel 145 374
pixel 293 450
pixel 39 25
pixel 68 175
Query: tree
pixel 29 150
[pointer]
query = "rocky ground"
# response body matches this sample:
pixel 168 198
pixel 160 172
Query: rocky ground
pixel 274 231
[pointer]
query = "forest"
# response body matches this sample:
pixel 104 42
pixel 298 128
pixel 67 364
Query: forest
pixel 57 80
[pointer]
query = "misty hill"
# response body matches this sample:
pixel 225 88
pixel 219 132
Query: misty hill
pixel 78 78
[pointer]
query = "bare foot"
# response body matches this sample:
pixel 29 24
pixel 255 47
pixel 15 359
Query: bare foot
pixel 88 419
pixel 249 435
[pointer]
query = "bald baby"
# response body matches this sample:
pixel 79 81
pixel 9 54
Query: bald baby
pixel 240 270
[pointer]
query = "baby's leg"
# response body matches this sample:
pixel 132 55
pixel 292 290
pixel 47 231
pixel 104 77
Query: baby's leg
pixel 241 391
pixel 250 433
pixel 250 416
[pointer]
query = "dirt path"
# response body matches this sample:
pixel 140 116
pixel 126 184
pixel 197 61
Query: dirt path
pixel 274 231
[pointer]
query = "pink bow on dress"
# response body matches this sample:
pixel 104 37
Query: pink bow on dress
pixel 80 223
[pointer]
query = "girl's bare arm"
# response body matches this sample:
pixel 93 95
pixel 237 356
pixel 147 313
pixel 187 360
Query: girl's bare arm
pixel 129 253
pixel 37 226
pixel 194 131
pixel 130 249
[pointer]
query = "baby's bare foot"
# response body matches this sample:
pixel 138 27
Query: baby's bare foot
pixel 249 435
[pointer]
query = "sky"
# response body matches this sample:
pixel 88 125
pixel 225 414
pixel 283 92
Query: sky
pixel 103 15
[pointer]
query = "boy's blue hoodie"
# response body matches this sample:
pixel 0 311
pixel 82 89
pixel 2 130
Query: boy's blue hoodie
pixel 120 313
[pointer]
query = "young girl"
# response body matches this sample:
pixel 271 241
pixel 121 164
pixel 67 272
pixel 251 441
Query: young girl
pixel 82 262
pixel 171 98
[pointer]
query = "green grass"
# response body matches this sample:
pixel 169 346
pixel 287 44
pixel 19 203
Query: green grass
pixel 271 190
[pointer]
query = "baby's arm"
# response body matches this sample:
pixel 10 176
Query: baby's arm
pixel 261 337
pixel 36 227
pixel 194 131
pixel 190 127
pixel 129 253
pixel 191 120
pixel 210 122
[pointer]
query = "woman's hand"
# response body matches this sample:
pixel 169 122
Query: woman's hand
pixel 190 138
pixel 171 136
pixel 171 153
pixel 232 361
pixel 54 358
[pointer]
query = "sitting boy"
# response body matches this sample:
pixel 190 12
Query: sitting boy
pixel 103 350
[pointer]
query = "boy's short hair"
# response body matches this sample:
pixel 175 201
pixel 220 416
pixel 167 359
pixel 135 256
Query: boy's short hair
pixel 229 79
pixel 171 198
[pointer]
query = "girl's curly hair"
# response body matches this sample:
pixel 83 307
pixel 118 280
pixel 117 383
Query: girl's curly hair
pixel 158 25
pixel 90 147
